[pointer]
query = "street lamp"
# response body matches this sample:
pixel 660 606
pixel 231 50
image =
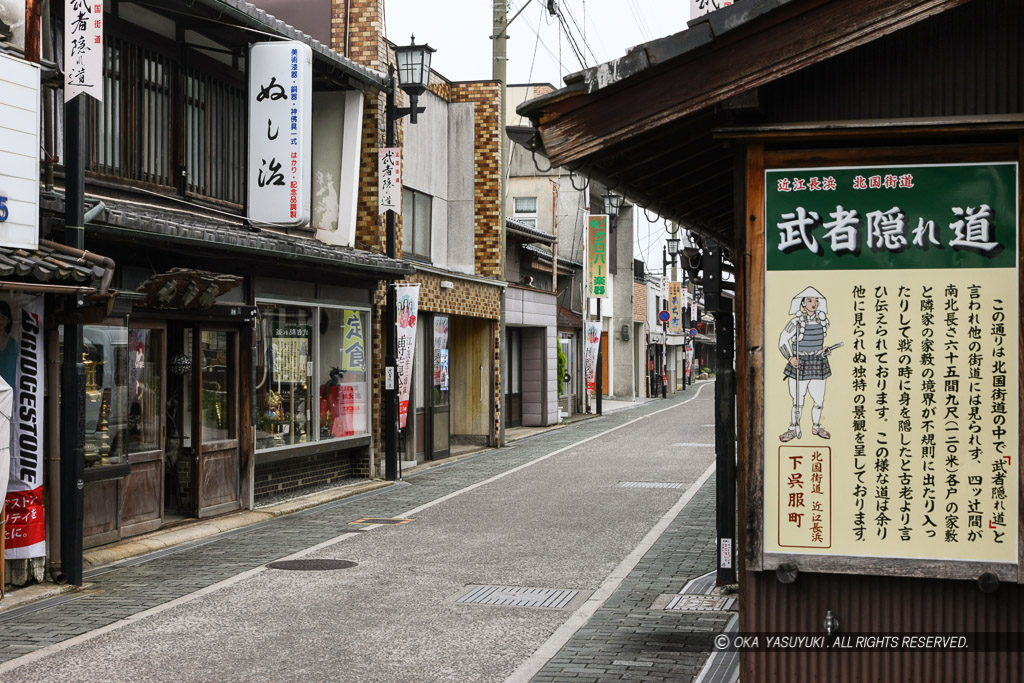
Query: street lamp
pixel 612 203
pixel 413 77
pixel 413 72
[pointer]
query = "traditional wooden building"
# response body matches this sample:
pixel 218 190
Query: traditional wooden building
pixel 857 163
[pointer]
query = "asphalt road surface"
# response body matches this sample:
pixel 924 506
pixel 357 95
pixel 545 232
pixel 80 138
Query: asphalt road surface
pixel 548 512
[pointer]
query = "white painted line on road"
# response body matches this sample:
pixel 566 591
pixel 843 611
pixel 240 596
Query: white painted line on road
pixel 442 499
pixel 238 578
pixel 532 666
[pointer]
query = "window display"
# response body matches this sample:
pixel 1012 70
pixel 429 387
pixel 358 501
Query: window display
pixel 107 430
pixel 296 345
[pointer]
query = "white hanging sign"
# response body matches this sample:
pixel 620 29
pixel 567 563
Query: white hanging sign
pixel 702 7
pixel 83 49
pixel 19 153
pixel 389 179
pixel 280 132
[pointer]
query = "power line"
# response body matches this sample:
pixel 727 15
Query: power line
pixel 583 35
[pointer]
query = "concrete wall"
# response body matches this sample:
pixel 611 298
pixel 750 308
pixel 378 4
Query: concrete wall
pixel 461 202
pixel 622 349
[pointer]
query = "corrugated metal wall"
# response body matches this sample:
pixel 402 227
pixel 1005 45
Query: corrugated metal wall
pixel 969 61
pixel 874 604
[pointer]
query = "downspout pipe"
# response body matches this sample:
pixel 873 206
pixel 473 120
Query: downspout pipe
pixel 104 262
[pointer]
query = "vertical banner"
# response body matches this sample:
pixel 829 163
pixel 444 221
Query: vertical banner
pixel 407 297
pixel 591 345
pixel 280 132
pixel 675 307
pixel 891 376
pixel 353 346
pixel 22 365
pixel 389 180
pixel 83 49
pixel 597 257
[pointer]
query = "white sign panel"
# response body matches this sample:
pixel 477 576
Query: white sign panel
pixel 83 48
pixel 280 132
pixel 389 179
pixel 12 13
pixel 702 7
pixel 19 153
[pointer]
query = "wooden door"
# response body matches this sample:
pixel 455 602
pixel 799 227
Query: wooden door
pixel 217 474
pixel 141 496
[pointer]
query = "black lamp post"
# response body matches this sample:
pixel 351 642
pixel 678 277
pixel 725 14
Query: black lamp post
pixel 413 77
pixel 612 203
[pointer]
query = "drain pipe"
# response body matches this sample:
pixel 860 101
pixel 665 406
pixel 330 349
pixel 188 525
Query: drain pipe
pixel 104 262
pixel 53 453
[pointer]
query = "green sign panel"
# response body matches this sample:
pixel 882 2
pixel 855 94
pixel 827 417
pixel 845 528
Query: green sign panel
pixel 882 217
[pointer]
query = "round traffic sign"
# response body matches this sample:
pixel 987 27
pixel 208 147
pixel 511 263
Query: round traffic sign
pixel 663 316
pixel 693 331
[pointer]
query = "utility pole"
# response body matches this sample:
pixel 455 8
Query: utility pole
pixel 72 375
pixel 499 50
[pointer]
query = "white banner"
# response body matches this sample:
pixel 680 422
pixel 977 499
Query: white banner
pixel 83 49
pixel 701 7
pixel 389 179
pixel 280 132
pixel 407 297
pixel 591 345
pixel 22 366
pixel 19 153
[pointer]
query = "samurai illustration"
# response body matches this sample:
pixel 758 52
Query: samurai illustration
pixel 802 343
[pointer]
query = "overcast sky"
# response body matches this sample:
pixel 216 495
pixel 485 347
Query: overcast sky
pixel 539 48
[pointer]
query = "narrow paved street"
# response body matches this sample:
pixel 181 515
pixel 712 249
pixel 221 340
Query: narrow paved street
pixel 548 512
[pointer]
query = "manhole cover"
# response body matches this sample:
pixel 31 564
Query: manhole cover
pixel 311 565
pixel 382 520
pixel 695 603
pixel 513 596
pixel 650 485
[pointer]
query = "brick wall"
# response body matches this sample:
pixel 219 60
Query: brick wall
pixel 639 302
pixel 486 95
pixel 312 470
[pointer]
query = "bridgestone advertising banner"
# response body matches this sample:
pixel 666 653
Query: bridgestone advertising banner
pixel 22 366
pixel 891 369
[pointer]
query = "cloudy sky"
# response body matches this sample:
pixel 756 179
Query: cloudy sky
pixel 541 48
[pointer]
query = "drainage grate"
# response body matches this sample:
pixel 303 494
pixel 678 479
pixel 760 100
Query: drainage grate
pixel 702 585
pixel 650 485
pixel 512 596
pixel 699 603
pixel 311 565
pixel 382 520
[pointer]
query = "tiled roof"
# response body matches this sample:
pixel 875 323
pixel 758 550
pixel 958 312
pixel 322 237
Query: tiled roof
pixel 257 18
pixel 48 266
pixel 562 261
pixel 521 230
pixel 121 216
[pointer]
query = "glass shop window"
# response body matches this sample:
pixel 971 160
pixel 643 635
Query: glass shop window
pixel 283 368
pixel 312 374
pixel 343 371
pixel 107 394
pixel 145 379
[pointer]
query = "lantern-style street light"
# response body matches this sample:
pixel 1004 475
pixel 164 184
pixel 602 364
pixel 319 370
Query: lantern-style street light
pixel 413 72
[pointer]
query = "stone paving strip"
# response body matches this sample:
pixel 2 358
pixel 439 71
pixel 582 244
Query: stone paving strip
pixel 626 639
pixel 119 591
